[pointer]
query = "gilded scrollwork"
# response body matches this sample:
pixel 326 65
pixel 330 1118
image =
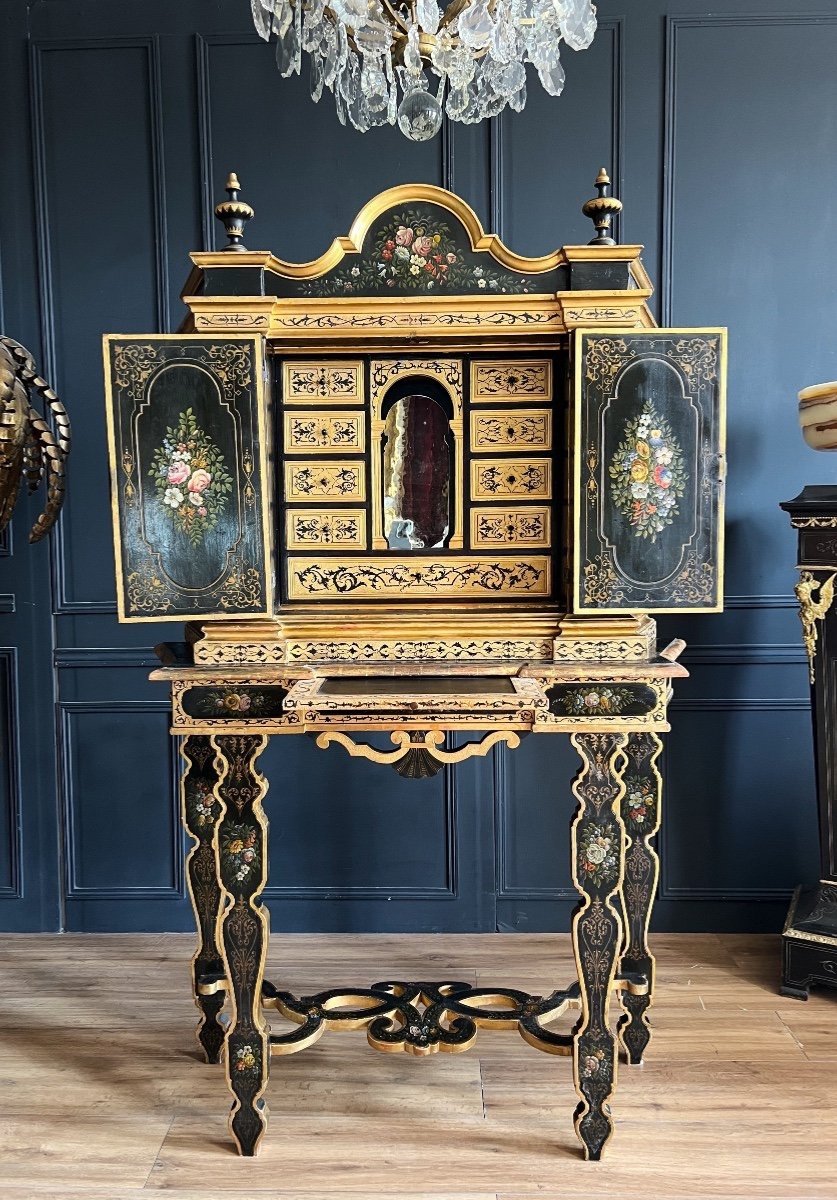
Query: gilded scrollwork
pixel 605 358
pixel 447 370
pixel 242 587
pixel 698 358
pixel 133 364
pixel 602 586
pixel 231 363
pixel 147 591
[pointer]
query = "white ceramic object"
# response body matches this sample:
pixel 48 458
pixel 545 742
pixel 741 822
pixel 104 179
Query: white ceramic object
pixel 818 415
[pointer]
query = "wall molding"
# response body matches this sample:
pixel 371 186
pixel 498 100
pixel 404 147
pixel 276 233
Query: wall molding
pixel 496 135
pixel 448 892
pixel 63 604
pixel 204 43
pixel 10 766
pixel 503 889
pixel 67 711
pixel 8 603
pixel 78 657
pixel 674 24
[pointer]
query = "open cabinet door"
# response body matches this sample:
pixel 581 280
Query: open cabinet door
pixel 189 471
pixel 648 470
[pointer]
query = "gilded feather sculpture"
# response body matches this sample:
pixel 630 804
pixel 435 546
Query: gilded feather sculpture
pixel 30 448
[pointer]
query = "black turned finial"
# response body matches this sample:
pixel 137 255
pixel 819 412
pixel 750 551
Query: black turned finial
pixel 233 214
pixel 601 210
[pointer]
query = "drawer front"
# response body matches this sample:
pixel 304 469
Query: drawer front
pixel 420 577
pixel 322 382
pixel 324 430
pixel 517 429
pixel 509 528
pixel 503 381
pixel 818 547
pixel 310 479
pixel 326 529
pixel 520 478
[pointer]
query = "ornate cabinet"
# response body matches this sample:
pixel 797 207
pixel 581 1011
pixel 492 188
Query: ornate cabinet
pixel 809 940
pixel 421 484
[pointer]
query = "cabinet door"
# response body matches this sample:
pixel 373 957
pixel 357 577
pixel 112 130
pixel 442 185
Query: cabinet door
pixel 187 430
pixel 649 466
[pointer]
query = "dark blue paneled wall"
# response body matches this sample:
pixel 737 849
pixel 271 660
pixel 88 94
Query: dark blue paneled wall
pixel 120 121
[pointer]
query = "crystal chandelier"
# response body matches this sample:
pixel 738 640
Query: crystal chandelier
pixel 405 61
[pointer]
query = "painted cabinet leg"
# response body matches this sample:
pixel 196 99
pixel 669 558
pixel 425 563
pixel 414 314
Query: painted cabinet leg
pixel 641 813
pixel 201 812
pixel 598 851
pixel 241 853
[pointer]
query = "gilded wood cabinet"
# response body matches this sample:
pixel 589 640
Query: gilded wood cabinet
pixel 421 486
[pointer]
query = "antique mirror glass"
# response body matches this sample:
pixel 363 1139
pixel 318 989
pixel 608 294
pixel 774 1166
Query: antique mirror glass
pixel 417 454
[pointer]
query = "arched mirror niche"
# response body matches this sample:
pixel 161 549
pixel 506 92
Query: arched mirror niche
pixel 417 461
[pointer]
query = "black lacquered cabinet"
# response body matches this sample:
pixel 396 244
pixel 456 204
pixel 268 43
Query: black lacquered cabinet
pixel 809 940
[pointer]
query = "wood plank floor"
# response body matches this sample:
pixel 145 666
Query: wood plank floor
pixel 102 1094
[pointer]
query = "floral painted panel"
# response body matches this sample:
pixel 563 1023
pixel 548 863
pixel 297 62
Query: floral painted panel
pixel 649 470
pixel 648 473
pixel 601 700
pixel 232 702
pixel 191 478
pixel 187 468
pixel 422 249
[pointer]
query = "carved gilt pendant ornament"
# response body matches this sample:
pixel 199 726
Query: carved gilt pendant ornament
pixel 30 450
pixel 418 500
pixel 815 598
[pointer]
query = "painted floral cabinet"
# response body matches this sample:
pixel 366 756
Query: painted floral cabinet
pixel 246 482
pixel 424 487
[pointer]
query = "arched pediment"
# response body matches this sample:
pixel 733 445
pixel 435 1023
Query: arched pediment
pixel 419 239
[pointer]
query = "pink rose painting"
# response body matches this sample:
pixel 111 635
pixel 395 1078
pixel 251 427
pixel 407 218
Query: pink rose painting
pixel 178 472
pixel 423 246
pixel 404 236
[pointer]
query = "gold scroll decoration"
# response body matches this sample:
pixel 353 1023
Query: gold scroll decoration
pixel 419 753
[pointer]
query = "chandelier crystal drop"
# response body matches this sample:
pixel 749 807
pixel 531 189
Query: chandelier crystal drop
pixel 407 62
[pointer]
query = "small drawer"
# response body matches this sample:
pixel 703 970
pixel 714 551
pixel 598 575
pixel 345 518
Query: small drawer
pixel 324 430
pixel 515 429
pixel 313 479
pixel 498 381
pixel 322 382
pixel 520 478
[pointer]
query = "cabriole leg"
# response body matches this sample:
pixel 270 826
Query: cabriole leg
pixel 200 812
pixel 241 853
pixel 598 852
pixel 641 813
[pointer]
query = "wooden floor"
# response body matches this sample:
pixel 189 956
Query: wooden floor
pixel 102 1094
